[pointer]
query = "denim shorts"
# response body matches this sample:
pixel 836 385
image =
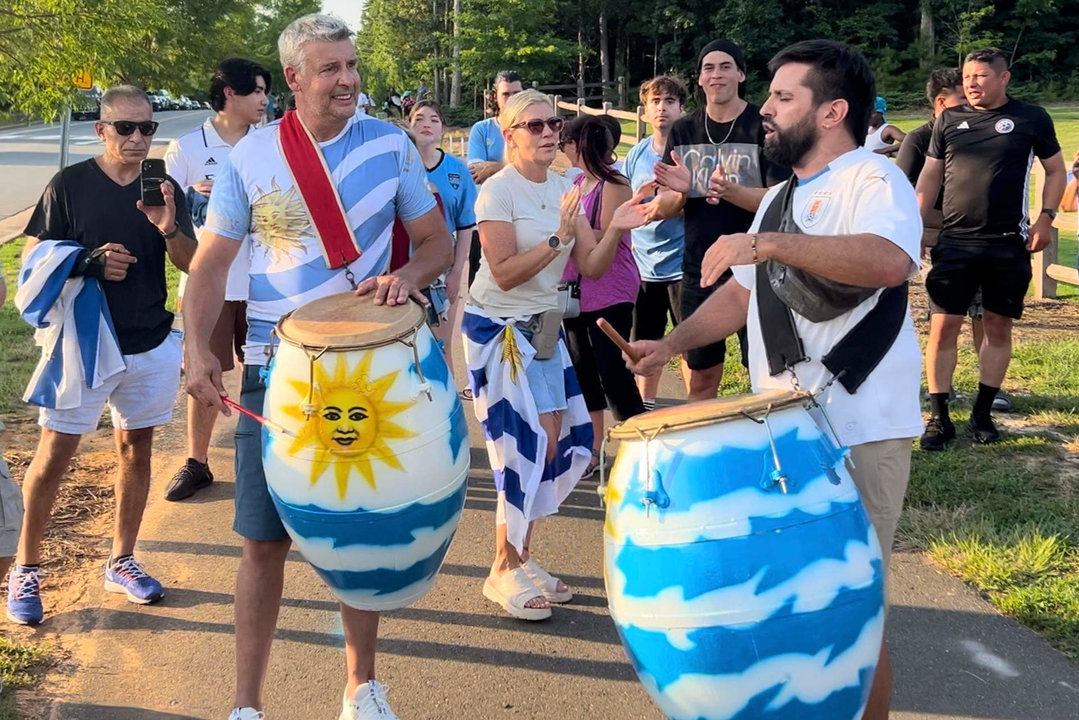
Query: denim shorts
pixel 256 516
pixel 547 379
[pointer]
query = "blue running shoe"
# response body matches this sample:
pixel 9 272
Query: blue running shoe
pixel 125 575
pixel 24 596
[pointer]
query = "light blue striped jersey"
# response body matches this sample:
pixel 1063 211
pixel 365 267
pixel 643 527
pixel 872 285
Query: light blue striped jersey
pixel 378 173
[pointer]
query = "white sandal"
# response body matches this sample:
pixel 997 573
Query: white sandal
pixel 512 590
pixel 545 582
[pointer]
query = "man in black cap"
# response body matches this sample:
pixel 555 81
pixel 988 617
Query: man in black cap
pixel 715 171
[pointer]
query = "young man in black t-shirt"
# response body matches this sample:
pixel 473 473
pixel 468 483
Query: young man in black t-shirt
pixel 97 203
pixel 982 152
pixel 715 171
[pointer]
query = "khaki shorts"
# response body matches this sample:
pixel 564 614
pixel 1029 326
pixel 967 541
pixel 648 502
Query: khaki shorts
pixel 881 471
pixel 10 512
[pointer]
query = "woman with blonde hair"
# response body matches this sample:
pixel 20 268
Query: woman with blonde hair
pixel 539 436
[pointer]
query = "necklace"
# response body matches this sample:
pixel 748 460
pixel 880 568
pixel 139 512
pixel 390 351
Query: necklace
pixel 729 130
pixel 542 198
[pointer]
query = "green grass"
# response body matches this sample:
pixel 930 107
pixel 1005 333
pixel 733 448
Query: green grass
pixel 16 662
pixel 18 354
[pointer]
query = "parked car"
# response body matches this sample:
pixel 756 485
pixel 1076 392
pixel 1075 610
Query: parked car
pixel 87 105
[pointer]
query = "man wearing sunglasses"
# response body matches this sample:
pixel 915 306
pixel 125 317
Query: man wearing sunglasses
pixel 97 203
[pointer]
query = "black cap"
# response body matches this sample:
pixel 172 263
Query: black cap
pixel 723 45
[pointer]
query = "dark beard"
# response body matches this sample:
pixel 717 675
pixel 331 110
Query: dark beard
pixel 787 147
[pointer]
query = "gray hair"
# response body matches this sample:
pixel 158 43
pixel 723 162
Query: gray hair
pixel 121 94
pixel 313 27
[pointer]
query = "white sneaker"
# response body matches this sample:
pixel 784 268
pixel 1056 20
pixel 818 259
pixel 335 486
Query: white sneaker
pixel 368 703
pixel 246 713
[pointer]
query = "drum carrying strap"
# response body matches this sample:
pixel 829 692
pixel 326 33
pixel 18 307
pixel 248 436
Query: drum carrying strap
pixel 857 353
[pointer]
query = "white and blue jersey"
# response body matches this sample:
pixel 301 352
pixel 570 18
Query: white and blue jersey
pixel 485 142
pixel 457 190
pixel 378 174
pixel 657 246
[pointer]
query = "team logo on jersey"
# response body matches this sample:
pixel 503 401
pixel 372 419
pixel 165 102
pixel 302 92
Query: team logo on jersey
pixel 1005 126
pixel 814 211
pixel 455 180
pixel 210 161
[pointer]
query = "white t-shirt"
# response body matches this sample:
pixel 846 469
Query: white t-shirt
pixel 363 101
pixel 874 139
pixel 508 196
pixel 196 156
pixel 859 192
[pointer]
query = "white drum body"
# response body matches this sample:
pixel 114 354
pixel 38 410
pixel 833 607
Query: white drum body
pixel 370 477
pixel 733 598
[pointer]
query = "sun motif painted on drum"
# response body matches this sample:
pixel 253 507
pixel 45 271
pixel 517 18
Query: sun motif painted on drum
pixel 279 220
pixel 350 423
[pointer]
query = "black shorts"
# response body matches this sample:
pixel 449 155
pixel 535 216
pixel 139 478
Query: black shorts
pixel 656 300
pixel 1002 272
pixel 706 356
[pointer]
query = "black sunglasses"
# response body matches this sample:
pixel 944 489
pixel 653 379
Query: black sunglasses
pixel 127 127
pixel 536 126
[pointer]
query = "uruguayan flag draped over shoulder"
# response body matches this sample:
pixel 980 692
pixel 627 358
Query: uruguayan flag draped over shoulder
pixel 497 353
pixel 74 328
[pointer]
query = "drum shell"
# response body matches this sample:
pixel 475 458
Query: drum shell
pixel 377 543
pixel 737 600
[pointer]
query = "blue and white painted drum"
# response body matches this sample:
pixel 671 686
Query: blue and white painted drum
pixel 369 475
pixel 742 590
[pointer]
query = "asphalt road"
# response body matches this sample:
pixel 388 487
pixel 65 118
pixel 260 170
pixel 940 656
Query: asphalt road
pixel 30 156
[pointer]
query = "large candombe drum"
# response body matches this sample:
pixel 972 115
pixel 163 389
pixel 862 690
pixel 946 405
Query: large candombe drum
pixel 370 477
pixel 733 598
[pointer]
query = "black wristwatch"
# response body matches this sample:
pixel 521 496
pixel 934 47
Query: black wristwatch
pixel 555 243
pixel 171 235
pixel 1050 212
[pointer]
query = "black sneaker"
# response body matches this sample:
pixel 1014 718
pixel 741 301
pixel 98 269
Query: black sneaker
pixel 188 480
pixel 937 434
pixel 984 431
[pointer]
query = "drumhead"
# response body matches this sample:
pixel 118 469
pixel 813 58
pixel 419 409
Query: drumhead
pixel 706 412
pixel 346 320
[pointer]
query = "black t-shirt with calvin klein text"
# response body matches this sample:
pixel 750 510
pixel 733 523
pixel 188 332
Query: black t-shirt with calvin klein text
pixel 83 204
pixel 739 151
pixel 987 157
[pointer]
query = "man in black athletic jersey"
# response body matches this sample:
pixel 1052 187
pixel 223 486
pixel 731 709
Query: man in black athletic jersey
pixel 715 170
pixel 982 152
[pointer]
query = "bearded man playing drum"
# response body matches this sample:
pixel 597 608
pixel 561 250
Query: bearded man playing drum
pixel 821 279
pixel 318 191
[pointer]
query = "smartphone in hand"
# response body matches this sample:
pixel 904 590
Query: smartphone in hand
pixel 153 174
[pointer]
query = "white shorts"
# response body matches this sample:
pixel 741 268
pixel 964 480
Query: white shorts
pixel 10 512
pixel 140 397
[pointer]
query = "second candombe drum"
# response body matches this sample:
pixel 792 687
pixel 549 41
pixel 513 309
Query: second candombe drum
pixel 742 572
pixel 370 476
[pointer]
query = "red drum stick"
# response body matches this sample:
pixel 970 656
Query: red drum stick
pixel 617 339
pixel 256 417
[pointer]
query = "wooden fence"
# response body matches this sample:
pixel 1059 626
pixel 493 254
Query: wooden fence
pixel 579 108
pixel 1045 269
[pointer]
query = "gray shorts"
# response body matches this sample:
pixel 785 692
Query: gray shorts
pixel 256 516
pixel 10 512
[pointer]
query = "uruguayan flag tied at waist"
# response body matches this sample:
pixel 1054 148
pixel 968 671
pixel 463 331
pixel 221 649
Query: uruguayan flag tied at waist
pixel 497 354
pixel 74 328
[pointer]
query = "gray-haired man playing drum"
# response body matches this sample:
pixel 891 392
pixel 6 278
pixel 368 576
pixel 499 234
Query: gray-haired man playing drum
pixel 315 232
pixel 821 280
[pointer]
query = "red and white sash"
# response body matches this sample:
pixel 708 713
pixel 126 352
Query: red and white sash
pixel 311 176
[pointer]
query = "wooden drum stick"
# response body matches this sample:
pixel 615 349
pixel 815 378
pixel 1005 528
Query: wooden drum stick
pixel 617 339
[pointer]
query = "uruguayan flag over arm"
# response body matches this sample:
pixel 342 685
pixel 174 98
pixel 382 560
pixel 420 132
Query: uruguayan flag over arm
pixel 496 354
pixel 74 328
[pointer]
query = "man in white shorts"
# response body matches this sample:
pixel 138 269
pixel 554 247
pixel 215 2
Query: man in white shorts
pixel 97 203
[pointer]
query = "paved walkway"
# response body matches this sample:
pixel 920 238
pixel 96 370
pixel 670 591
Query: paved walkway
pixel 453 655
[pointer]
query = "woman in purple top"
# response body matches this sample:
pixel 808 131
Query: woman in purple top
pixel 605 380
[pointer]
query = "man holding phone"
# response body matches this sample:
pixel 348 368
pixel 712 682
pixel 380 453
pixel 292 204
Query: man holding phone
pixel 239 93
pixel 100 204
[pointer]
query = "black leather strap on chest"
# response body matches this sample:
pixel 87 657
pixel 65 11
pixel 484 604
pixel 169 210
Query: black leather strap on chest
pixel 857 353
